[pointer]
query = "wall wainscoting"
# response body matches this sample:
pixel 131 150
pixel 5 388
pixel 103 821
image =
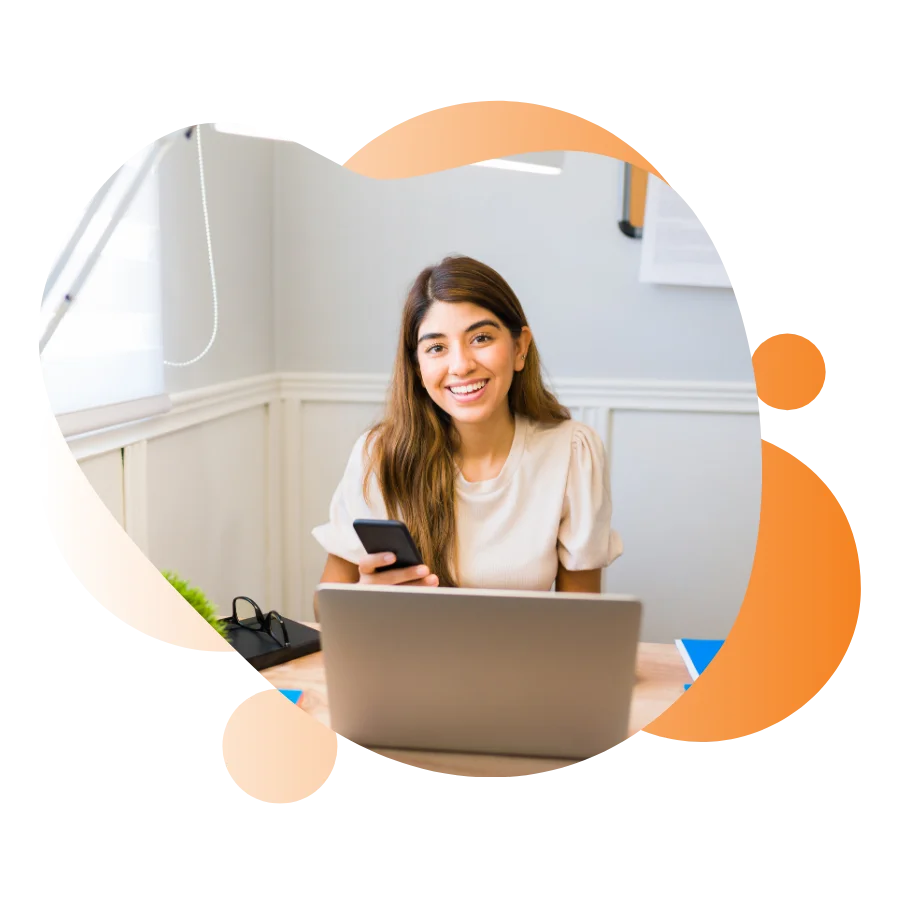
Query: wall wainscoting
pixel 297 428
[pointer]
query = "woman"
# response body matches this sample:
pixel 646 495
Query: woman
pixel 498 487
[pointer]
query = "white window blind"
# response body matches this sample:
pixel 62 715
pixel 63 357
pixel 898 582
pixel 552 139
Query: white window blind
pixel 104 363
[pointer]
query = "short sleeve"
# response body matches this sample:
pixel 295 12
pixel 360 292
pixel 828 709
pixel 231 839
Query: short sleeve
pixel 586 540
pixel 337 535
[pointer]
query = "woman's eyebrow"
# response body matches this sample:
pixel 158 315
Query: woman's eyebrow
pixel 474 327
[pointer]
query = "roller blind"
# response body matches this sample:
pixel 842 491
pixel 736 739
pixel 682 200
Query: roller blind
pixel 104 363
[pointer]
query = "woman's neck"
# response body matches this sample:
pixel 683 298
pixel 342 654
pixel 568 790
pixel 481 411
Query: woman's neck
pixel 483 448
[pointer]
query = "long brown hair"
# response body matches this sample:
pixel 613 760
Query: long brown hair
pixel 411 450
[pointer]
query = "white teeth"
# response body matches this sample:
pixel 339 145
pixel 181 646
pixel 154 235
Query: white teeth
pixel 468 388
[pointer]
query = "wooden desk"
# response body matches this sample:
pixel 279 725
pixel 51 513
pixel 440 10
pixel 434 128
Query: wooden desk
pixel 661 676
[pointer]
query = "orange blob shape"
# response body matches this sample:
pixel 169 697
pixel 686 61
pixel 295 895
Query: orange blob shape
pixel 470 132
pixel 276 752
pixel 797 619
pixel 789 371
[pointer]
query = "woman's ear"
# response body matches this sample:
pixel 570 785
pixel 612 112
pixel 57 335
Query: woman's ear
pixel 522 345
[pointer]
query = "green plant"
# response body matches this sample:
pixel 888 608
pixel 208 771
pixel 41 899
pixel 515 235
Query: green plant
pixel 198 600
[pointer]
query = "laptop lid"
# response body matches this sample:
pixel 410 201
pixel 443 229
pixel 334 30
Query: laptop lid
pixel 507 672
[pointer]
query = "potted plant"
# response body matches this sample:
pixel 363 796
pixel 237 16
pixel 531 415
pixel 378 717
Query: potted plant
pixel 198 600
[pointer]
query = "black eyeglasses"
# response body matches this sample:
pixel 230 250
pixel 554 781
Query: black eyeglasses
pixel 246 614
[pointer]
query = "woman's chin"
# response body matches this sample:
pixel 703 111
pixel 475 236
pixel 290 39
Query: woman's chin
pixel 471 415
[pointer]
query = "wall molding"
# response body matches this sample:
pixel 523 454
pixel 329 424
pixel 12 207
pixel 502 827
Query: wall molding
pixel 275 479
pixel 194 407
pixel 334 387
pixel 288 397
pixel 592 401
pixel 189 408
pixel 613 394
pixel 292 505
pixel 135 499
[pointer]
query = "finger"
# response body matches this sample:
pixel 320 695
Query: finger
pixel 430 581
pixel 403 576
pixel 418 575
pixel 372 561
pixel 399 576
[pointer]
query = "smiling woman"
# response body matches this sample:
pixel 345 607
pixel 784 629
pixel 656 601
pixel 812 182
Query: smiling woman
pixel 497 485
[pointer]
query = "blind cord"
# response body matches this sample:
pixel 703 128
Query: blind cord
pixel 212 267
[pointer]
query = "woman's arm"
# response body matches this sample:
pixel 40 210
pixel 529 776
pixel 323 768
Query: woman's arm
pixel 586 581
pixel 337 571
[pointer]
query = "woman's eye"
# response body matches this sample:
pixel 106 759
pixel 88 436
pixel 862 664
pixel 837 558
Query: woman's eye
pixel 434 349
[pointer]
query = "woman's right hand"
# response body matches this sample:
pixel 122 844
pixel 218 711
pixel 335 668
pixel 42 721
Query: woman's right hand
pixel 414 576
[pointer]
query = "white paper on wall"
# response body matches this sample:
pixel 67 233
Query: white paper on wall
pixel 675 248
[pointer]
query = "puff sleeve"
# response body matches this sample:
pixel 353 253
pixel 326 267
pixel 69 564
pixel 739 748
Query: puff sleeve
pixel 586 540
pixel 337 535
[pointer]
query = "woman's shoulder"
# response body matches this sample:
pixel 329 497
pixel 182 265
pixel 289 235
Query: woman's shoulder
pixel 564 436
pixel 363 444
pixel 361 453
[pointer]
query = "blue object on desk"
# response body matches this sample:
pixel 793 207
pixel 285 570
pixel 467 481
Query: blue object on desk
pixel 697 655
pixel 293 696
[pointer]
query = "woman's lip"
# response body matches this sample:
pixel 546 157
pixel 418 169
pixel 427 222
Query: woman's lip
pixel 468 398
pixel 467 383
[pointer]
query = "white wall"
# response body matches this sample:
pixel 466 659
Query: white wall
pixel 347 248
pixel 105 473
pixel 199 501
pixel 226 488
pixel 238 174
pixel 207 506
pixel 313 263
pixel 198 489
pixel 685 477
pixel 686 490
pixel 686 481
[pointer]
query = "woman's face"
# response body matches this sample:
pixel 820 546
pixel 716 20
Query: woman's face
pixel 467 358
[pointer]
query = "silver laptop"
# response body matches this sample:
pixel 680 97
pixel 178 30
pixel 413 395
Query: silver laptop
pixel 529 673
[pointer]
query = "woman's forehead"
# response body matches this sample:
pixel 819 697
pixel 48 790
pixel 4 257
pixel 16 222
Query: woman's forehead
pixel 451 318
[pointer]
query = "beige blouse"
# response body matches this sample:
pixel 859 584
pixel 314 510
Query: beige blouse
pixel 549 504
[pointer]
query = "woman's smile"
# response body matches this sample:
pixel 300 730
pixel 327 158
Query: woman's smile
pixel 468 391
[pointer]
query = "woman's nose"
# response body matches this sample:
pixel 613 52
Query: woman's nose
pixel 461 362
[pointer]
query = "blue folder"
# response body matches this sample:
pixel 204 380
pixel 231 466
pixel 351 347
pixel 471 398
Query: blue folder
pixel 293 696
pixel 697 655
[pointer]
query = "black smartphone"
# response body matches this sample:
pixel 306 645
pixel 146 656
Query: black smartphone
pixel 388 536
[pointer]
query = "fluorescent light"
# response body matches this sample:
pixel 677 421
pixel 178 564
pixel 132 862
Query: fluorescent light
pixel 518 166
pixel 247 131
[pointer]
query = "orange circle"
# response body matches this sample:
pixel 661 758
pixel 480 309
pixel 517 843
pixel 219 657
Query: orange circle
pixel 789 371
pixel 275 751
